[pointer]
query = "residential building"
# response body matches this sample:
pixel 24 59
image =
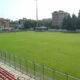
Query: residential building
pixel 57 18
pixel 4 23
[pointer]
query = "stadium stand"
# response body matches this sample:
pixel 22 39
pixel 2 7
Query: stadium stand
pixel 5 75
pixel 14 74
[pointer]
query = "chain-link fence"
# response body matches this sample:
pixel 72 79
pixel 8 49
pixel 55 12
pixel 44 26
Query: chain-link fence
pixel 32 69
pixel 15 30
pixel 48 30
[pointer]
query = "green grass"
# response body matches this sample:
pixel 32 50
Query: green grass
pixel 53 49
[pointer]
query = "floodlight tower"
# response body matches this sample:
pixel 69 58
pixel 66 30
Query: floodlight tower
pixel 36 13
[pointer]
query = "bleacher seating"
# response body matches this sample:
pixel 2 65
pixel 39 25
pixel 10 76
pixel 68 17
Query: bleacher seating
pixel 5 75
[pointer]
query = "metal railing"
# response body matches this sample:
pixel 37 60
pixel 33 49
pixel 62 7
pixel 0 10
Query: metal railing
pixel 32 69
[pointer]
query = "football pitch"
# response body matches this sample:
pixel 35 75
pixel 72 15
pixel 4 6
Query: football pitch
pixel 53 49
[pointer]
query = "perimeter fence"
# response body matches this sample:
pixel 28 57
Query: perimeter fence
pixel 32 69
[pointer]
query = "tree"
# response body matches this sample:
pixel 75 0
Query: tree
pixel 13 24
pixel 74 22
pixel 32 23
pixel 29 24
pixel 78 23
pixel 48 24
pixel 64 24
pixel 70 23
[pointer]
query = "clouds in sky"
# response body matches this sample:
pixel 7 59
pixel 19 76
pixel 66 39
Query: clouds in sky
pixel 16 9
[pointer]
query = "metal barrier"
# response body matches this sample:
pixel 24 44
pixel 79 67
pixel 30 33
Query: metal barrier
pixel 32 69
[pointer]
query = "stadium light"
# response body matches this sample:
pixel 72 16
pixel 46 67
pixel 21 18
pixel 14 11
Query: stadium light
pixel 37 12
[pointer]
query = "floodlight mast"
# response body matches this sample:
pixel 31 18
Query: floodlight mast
pixel 36 13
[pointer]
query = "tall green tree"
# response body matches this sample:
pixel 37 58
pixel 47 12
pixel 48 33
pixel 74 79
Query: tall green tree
pixel 64 24
pixel 70 23
pixel 29 24
pixel 78 23
pixel 74 22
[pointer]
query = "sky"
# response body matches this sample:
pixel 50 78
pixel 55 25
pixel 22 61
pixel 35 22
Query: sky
pixel 17 9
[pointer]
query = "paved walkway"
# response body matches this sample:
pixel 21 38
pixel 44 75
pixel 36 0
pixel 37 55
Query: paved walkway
pixel 15 72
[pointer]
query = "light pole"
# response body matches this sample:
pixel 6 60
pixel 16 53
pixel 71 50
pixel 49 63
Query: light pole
pixel 36 13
